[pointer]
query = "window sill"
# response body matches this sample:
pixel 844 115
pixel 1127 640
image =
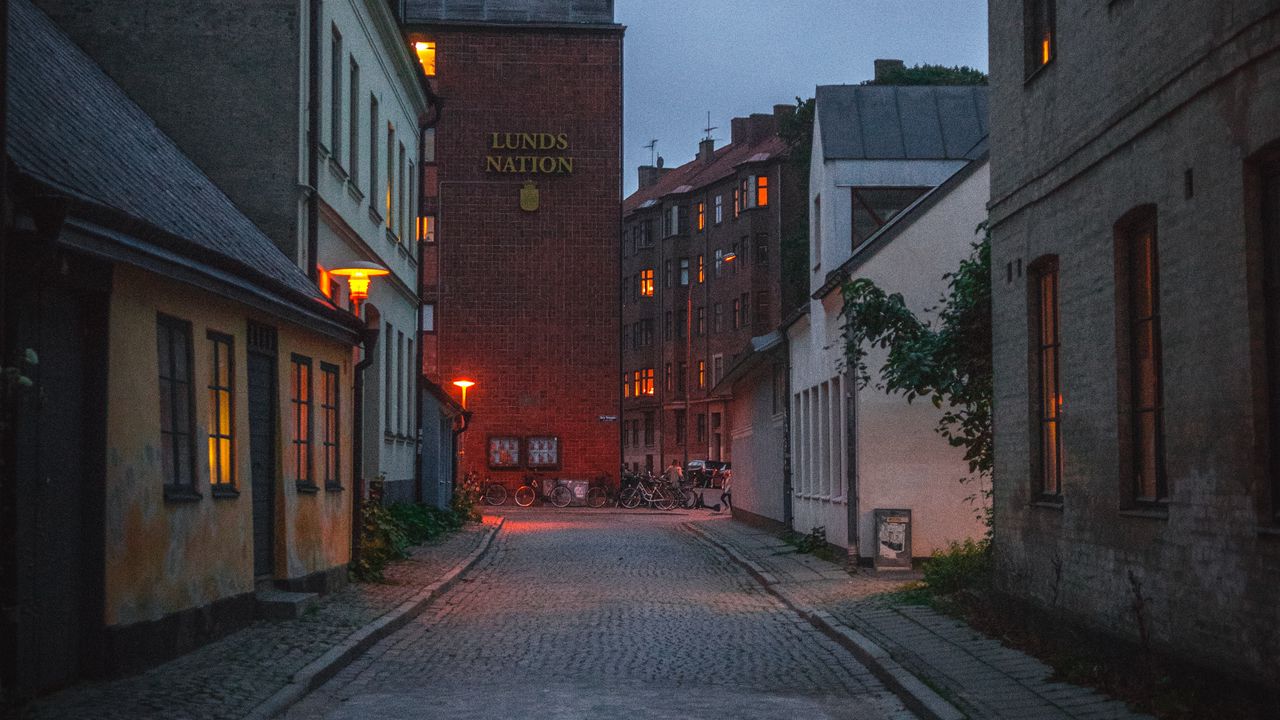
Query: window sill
pixel 181 494
pixel 1148 513
pixel 1037 72
pixel 1047 504
pixel 374 216
pixel 330 487
pixel 306 487
pixel 354 192
pixel 392 237
pixel 336 168
pixel 224 491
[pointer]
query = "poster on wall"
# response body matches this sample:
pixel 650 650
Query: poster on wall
pixel 504 452
pixel 544 452
pixel 893 538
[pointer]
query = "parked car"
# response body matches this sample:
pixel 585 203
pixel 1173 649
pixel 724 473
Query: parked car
pixel 706 473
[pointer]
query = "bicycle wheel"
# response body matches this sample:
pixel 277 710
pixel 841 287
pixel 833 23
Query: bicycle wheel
pixel 561 496
pixel 597 497
pixel 630 497
pixel 663 499
pixel 690 499
pixel 525 496
pixel 495 494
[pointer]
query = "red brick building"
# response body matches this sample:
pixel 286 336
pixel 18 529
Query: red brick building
pixel 687 312
pixel 522 200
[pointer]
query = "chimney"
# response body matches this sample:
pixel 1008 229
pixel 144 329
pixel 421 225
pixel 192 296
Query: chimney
pixel 781 111
pixel 707 150
pixel 738 130
pixel 886 68
pixel 648 176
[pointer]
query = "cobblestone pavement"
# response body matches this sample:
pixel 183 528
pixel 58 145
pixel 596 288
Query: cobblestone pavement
pixel 980 676
pixel 228 678
pixel 593 614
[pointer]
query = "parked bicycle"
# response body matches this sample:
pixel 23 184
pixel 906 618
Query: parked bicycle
pixel 647 489
pixel 598 494
pixel 531 489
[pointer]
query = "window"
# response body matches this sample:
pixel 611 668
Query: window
pixel 702 373
pixel 682 322
pixel 667 332
pixel 762 306
pixel 429 318
pixel 873 207
pixel 648 428
pixel 426 52
pixel 637 383
pixel 1140 264
pixel 626 385
pixel 1041 44
pixel 222 452
pixel 388 379
pixel 648 331
pixel 646 282
pixel 666 273
pixel 717 369
pixel 667 377
pixel 391 178
pixel 737 203
pixel 682 374
pixel 300 459
pixel 329 426
pixel 745 304
pixel 335 94
pixel 398 227
pixel 635 433
pixel 762 249
pixel 717 317
pixel 636 332
pixel 743 251
pixel 737 313
pixel 702 216
pixel 762 190
pixel 353 126
pixel 700 322
pixel 816 221
pixel 177 423
pixel 684 271
pixel 700 427
pixel 680 426
pixel 1270 211
pixel 373 154
pixel 1044 328
pixel 719 209
pixel 702 269
pixel 648 233
pixel 646 381
pixel 427 229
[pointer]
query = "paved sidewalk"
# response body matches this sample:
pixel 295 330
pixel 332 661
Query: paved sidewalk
pixel 978 675
pixel 250 672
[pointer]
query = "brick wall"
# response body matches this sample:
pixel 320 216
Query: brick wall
pixel 1164 98
pixel 527 301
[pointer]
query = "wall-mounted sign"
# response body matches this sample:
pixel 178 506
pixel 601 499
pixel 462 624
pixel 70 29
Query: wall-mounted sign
pixel 529 197
pixel 544 452
pixel 504 452
pixel 528 153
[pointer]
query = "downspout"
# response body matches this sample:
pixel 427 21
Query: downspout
pixel 423 126
pixel 788 514
pixel 369 340
pixel 313 146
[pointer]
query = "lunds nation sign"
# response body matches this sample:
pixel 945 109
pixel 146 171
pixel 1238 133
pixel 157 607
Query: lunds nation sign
pixel 543 153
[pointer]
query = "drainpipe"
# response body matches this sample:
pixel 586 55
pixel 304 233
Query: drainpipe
pixel 370 342
pixel 423 127
pixel 313 145
pixel 788 514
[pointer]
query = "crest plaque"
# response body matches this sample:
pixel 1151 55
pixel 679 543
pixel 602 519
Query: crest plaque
pixel 529 197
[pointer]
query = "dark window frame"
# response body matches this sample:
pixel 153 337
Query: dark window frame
pixel 1040 26
pixel 1046 368
pixel 861 199
pixel 302 407
pixel 216 438
pixel 331 426
pixel 175 488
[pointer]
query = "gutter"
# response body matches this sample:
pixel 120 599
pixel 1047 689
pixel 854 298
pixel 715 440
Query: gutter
pixel 313 146
pixel 369 340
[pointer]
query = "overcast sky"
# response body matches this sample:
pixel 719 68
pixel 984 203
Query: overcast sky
pixel 734 57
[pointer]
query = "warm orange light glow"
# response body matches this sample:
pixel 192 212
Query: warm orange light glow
pixel 426 52
pixel 464 384
pixel 325 280
pixel 1046 49
pixel 646 283
pixel 762 191
pixel 358 275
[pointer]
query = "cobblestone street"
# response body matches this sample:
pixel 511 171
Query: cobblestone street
pixel 594 614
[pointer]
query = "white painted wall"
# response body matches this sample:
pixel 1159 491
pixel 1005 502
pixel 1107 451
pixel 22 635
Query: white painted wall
pixel 758 438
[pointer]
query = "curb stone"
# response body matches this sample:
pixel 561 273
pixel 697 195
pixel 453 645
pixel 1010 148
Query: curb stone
pixel 914 693
pixel 315 673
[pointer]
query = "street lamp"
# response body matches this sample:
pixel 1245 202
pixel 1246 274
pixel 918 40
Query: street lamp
pixel 464 384
pixel 358 274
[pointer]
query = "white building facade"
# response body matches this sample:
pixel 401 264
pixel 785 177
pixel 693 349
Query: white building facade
pixel 880 154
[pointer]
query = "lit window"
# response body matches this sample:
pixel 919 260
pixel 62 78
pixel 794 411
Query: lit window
pixel 637 383
pixel 222 471
pixel 1044 289
pixel 427 229
pixel 300 401
pixel 646 283
pixel 702 271
pixel 626 385
pixel 702 373
pixel 646 381
pixel 762 191
pixel 1039 38
pixel 426 52
pixel 737 203
pixel 702 216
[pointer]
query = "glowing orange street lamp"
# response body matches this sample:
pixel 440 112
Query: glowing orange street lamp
pixel 464 384
pixel 358 274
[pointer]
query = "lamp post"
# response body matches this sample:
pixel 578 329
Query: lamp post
pixel 464 384
pixel 358 274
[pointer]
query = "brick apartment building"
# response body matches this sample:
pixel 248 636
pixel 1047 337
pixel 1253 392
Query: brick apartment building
pixel 1134 248
pixel 701 276
pixel 522 187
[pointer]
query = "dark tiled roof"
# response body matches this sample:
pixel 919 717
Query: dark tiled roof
pixel 540 12
pixel 883 122
pixel 697 174
pixel 74 130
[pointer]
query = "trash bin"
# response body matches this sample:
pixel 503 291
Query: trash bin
pixel 893 539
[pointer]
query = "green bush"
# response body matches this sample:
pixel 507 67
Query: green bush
pixel 387 532
pixel 963 565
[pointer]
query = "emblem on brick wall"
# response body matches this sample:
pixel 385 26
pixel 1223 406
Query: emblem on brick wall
pixel 529 197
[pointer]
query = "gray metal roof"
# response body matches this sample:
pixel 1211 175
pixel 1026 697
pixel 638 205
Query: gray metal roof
pixel 72 129
pixel 506 12
pixel 887 122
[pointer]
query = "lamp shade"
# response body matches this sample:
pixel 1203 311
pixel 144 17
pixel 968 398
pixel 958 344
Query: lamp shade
pixel 358 274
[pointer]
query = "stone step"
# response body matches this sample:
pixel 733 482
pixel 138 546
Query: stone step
pixel 274 604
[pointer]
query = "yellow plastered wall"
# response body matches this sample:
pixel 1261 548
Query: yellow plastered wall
pixel 163 556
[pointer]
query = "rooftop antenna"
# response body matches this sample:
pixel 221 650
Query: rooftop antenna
pixel 709 127
pixel 650 147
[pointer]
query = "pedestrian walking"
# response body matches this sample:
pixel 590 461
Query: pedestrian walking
pixel 726 491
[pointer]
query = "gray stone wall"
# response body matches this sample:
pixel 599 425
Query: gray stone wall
pixel 1134 100
pixel 220 78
